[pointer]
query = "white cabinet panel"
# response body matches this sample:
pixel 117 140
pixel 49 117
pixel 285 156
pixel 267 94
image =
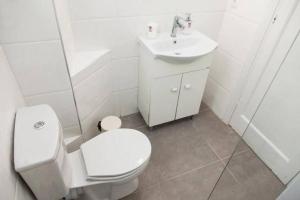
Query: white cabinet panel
pixel 164 96
pixel 192 88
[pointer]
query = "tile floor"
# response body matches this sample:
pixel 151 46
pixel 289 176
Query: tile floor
pixel 189 155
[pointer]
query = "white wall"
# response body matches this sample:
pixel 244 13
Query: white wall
pixel 30 38
pixel 11 187
pixel 237 35
pixel 93 93
pixel 115 25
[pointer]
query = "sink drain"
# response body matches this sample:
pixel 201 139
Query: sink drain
pixel 177 53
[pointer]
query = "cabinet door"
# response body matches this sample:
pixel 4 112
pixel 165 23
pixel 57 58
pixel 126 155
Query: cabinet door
pixel 164 97
pixel 191 92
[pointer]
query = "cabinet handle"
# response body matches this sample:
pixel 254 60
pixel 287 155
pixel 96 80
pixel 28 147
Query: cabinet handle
pixel 188 86
pixel 174 89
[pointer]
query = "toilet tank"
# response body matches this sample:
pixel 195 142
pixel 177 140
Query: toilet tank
pixel 39 153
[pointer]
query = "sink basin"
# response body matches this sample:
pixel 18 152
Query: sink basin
pixel 190 46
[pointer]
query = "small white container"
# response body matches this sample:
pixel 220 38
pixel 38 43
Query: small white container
pixel 188 28
pixel 152 30
pixel 111 123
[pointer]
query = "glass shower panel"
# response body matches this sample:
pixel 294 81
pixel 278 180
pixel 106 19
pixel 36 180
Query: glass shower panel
pixel 272 137
pixel 32 44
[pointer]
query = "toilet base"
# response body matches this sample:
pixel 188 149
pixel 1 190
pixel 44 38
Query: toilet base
pixel 112 191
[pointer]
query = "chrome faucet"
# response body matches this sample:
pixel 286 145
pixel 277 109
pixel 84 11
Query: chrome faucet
pixel 180 22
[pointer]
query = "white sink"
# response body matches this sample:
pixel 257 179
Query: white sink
pixel 189 46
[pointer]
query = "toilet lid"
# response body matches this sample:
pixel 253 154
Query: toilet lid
pixel 115 152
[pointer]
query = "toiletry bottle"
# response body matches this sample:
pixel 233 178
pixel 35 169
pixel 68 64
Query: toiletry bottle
pixel 152 30
pixel 188 28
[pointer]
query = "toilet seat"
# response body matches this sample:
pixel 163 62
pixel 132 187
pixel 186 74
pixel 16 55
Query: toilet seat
pixel 121 178
pixel 115 154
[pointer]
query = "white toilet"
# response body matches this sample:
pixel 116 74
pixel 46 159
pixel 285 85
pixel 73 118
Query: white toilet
pixel 105 167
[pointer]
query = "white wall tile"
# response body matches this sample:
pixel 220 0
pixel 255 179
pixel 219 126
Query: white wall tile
pixel 39 67
pixel 61 102
pixel 164 22
pixel 118 27
pixel 91 92
pixel 216 97
pixel 81 9
pixel 155 7
pixel 251 9
pixel 89 124
pixel 116 103
pixel 10 100
pixel 87 62
pixel 226 70
pixel 86 34
pixel 128 7
pixel 208 23
pixel 236 30
pixel 73 131
pixel 201 5
pixel 236 38
pixel 65 25
pixel 22 192
pixel 8 176
pixel 119 35
pixel 125 73
pixel 30 20
pixel 128 101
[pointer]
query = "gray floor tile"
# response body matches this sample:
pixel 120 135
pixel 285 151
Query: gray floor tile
pixel 203 107
pixel 217 134
pixel 150 193
pixel 242 147
pixel 177 152
pixel 195 185
pixel 228 189
pixel 133 121
pixel 255 178
pixel 185 162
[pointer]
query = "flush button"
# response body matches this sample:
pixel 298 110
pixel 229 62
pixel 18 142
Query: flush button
pixel 39 125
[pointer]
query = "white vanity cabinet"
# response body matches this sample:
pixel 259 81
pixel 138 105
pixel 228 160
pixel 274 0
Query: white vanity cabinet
pixel 164 97
pixel 191 91
pixel 170 89
pixel 176 96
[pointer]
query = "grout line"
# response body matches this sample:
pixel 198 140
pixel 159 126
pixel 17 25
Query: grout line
pixel 222 160
pixel 48 93
pixel 204 110
pixel 120 17
pixel 211 148
pixel 160 191
pixel 231 173
pixel 30 42
pixel 247 19
pixel 229 170
pixel 219 84
pixel 239 153
pixel 124 58
pixel 192 170
pixel 99 106
pixel 67 64
pixel 142 126
pixel 125 89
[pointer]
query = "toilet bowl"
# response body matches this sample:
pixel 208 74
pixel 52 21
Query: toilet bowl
pixel 105 167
